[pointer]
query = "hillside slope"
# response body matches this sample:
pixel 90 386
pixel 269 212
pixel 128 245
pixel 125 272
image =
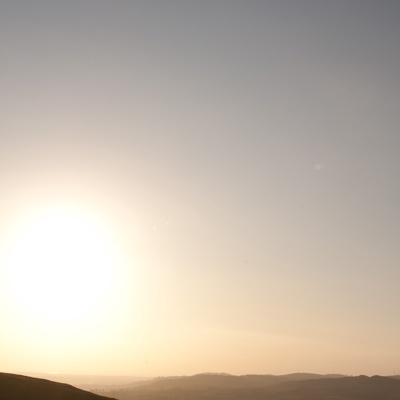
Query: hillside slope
pixel 19 387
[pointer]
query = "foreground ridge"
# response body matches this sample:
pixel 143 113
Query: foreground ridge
pixel 20 387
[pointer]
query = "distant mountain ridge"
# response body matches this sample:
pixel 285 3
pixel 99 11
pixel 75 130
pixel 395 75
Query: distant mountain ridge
pixel 349 388
pixel 260 387
pixel 20 387
pixel 222 380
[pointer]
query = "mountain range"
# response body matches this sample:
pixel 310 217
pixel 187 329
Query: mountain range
pixel 222 380
pixel 263 387
pixel 210 386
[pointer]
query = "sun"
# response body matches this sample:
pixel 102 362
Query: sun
pixel 60 266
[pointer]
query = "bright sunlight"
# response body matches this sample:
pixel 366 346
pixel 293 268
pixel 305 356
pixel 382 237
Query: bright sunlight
pixel 61 266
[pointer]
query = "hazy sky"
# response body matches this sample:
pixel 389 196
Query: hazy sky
pixel 239 161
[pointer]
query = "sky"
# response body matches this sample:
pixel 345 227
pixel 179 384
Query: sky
pixel 192 186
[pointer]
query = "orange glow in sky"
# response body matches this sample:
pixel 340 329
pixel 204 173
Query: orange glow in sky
pixel 192 186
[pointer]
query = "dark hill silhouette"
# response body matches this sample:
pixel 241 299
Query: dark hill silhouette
pixel 347 388
pixel 20 387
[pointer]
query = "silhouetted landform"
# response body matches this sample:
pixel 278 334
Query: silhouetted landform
pixel 322 388
pixel 20 387
pixel 222 380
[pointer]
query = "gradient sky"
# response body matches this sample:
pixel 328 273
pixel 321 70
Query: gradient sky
pixel 243 157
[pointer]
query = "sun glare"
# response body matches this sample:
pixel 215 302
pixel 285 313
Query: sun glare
pixel 60 266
